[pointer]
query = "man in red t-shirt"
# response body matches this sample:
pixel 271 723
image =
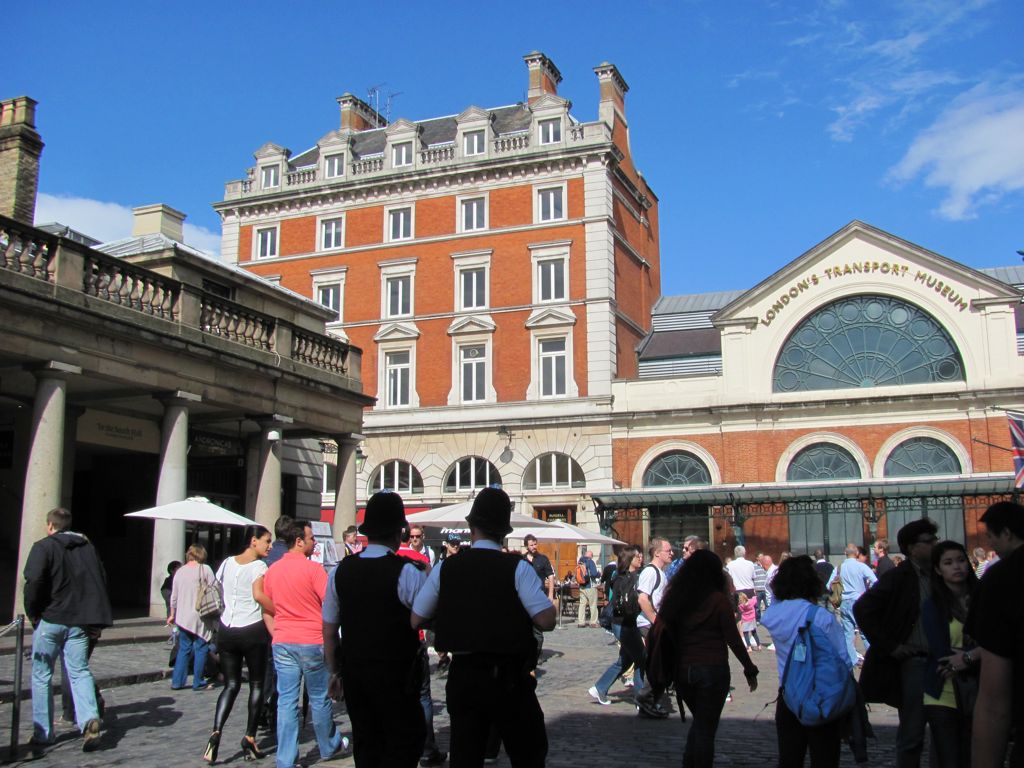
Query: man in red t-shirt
pixel 297 585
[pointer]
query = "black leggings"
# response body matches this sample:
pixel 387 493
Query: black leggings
pixel 235 644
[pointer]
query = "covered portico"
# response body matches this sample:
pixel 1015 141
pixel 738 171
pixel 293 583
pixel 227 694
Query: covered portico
pixel 123 378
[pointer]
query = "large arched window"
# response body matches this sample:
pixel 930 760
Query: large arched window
pixel 396 475
pixel 553 470
pixel 471 474
pixel 921 456
pixel 677 468
pixel 866 341
pixel 822 461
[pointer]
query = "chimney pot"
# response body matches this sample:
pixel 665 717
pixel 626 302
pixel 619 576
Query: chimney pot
pixel 357 115
pixel 158 219
pixel 544 76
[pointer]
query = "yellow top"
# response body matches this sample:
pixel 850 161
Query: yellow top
pixel 948 698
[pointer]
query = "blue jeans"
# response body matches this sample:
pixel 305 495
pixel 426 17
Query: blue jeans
pixel 631 651
pixel 295 663
pixel 849 625
pixel 189 645
pixel 48 640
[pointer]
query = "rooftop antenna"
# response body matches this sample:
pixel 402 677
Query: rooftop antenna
pixel 387 109
pixel 373 95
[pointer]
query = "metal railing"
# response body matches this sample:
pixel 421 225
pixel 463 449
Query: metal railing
pixel 17 625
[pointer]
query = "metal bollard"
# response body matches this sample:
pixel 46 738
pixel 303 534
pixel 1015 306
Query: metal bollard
pixel 19 659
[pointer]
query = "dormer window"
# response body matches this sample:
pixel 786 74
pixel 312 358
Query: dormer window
pixel 334 166
pixel 270 176
pixel 550 130
pixel 474 143
pixel 401 154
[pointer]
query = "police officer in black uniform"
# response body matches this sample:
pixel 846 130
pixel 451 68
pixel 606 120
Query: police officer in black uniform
pixel 377 662
pixel 484 605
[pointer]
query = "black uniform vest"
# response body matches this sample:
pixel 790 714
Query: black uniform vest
pixel 374 623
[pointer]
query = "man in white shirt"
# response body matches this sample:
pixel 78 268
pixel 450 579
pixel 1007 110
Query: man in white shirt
pixel 741 571
pixel 651 588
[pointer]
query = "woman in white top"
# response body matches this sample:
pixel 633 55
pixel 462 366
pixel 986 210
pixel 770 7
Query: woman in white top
pixel 243 635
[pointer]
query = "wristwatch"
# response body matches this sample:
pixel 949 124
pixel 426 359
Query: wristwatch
pixel 968 659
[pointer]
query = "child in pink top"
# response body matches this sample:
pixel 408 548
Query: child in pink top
pixel 748 622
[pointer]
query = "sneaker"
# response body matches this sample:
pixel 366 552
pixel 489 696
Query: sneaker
pixel 770 647
pixel 437 757
pixel 628 683
pixel 343 751
pixel 597 695
pixel 651 711
pixel 91 735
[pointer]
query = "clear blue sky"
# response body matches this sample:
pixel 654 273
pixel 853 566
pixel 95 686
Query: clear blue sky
pixel 763 126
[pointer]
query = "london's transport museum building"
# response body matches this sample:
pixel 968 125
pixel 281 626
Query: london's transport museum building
pixel 861 386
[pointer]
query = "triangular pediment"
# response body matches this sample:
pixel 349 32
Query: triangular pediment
pixel 335 140
pixel 862 258
pixel 401 128
pixel 472 324
pixel 397 332
pixel 550 317
pixel 473 114
pixel 550 103
pixel 271 150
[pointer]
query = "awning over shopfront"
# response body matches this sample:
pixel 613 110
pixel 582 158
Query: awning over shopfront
pixel 735 495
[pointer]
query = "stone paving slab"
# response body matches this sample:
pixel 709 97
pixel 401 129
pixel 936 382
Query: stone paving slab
pixel 148 724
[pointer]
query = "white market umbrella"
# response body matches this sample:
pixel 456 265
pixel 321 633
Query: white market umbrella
pixel 454 516
pixel 194 509
pixel 564 532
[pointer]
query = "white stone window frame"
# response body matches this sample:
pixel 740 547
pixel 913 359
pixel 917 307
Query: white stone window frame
pixel 388 211
pixel 538 191
pixel 533 391
pixel 547 126
pixel 394 269
pixel 320 221
pixel 462 262
pixel 334 161
pixel 460 220
pixel 257 231
pixel 475 133
pixel 545 253
pixel 327 277
pixel 401 148
pixel 273 169
pixel 471 339
pixel 384 349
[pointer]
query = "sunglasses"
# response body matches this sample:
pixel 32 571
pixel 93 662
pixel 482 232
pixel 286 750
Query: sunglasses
pixel 415 536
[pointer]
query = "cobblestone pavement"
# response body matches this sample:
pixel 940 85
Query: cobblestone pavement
pixel 148 724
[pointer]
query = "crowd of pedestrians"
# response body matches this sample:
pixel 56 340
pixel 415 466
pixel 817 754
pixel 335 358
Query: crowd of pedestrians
pixel 941 632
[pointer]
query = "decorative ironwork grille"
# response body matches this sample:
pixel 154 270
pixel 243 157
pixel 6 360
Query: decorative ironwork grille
pixel 677 468
pixel 866 341
pixel 921 456
pixel 822 461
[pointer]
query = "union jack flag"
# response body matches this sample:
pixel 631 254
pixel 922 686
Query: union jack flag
pixel 1017 443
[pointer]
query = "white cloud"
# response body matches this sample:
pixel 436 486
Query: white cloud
pixel 110 221
pixel 974 150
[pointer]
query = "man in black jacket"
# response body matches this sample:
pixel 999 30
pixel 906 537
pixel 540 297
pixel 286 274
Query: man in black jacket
pixel 66 600
pixel 485 603
pixel 888 615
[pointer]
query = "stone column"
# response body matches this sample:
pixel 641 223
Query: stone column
pixel 345 487
pixel 268 478
pixel 45 463
pixel 172 485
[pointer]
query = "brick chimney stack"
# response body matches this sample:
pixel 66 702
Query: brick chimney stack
pixel 158 219
pixel 357 115
pixel 544 76
pixel 613 94
pixel 20 148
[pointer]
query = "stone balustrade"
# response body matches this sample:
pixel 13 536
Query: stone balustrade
pixel 512 141
pixel 367 165
pixel 26 250
pixel 72 269
pixel 441 154
pixel 321 352
pixel 303 176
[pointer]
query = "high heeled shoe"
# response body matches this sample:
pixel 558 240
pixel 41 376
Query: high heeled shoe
pixel 210 755
pixel 249 749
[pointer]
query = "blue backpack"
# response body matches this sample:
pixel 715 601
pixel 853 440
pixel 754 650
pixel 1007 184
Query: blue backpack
pixel 817 685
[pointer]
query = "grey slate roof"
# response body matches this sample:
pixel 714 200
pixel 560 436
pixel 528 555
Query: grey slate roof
pixel 694 302
pixel 1013 275
pixel 437 130
pixel 660 345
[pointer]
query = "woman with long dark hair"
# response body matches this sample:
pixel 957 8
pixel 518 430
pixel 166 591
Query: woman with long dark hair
pixel 950 682
pixel 242 635
pixel 797 588
pixel 697 613
pixel 631 644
